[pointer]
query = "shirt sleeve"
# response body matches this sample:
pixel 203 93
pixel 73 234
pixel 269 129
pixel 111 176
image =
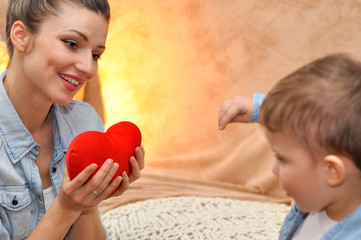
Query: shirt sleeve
pixel 4 234
pixel 257 103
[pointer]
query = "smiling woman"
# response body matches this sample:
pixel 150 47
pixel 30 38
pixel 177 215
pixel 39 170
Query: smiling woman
pixel 53 48
pixel 91 92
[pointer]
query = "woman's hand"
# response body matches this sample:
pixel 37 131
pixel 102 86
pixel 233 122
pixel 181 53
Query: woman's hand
pixel 80 193
pixel 76 204
pixel 136 165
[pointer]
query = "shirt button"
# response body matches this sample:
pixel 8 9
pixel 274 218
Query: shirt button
pixel 54 170
pixel 15 202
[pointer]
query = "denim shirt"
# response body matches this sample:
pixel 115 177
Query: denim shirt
pixel 257 103
pixel 348 228
pixel 21 192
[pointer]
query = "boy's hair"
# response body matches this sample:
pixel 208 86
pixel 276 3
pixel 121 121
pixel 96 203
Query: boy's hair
pixel 33 12
pixel 320 106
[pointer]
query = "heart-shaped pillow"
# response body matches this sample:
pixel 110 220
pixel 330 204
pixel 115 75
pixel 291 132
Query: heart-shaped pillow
pixel 117 143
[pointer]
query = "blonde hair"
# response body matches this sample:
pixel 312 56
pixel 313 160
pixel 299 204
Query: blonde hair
pixel 320 106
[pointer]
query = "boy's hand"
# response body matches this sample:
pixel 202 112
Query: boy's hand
pixel 237 109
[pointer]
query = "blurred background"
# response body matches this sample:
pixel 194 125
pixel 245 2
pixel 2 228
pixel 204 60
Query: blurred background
pixel 169 65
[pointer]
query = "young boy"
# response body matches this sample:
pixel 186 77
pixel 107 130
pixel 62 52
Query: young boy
pixel 311 119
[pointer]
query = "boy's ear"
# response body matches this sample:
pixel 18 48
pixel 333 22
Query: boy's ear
pixel 334 169
pixel 19 36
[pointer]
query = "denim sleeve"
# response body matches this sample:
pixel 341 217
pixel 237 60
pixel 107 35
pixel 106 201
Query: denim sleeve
pixel 257 103
pixel 3 233
pixel 293 220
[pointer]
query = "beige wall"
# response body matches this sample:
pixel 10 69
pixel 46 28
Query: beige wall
pixel 170 64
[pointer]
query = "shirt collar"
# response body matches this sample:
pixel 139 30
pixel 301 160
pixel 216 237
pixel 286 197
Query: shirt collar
pixel 15 136
pixel 61 128
pixel 17 139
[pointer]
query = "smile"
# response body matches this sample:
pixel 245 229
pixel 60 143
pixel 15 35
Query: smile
pixel 69 79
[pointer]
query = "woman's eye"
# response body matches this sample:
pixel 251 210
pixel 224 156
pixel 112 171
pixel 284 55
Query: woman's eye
pixel 96 57
pixel 70 44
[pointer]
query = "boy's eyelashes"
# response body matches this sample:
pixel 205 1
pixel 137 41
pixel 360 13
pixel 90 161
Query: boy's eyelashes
pixel 279 158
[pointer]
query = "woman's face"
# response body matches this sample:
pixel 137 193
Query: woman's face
pixel 64 54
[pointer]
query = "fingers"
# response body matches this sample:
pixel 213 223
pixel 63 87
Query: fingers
pixel 112 185
pixel 124 185
pixel 104 178
pixel 82 177
pixel 72 195
pixel 135 170
pixel 228 111
pixel 139 156
pixel 87 193
pixel 222 111
pixel 100 181
pixel 237 109
pixel 136 164
pixel 81 193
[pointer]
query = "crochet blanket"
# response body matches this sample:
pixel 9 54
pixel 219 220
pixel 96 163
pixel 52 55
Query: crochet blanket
pixel 195 218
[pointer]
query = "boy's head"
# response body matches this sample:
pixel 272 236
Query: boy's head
pixel 319 105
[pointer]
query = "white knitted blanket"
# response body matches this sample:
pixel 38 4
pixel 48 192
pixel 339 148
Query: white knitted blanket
pixel 183 218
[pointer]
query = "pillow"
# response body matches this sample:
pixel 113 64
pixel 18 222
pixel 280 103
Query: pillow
pixel 117 143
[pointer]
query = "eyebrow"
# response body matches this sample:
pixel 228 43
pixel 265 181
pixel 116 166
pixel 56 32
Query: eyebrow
pixel 83 36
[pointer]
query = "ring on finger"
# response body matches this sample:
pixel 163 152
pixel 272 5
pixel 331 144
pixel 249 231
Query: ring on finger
pixel 96 193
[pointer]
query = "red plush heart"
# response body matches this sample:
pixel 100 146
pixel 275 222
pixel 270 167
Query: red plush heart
pixel 117 143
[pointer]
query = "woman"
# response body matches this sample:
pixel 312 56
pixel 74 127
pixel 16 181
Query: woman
pixel 53 47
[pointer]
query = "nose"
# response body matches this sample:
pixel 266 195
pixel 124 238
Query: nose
pixel 87 65
pixel 275 169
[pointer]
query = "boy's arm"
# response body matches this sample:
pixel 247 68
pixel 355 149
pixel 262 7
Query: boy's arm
pixel 241 109
pixel 257 103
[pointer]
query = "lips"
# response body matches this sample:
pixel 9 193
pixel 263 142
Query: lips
pixel 69 79
pixel 71 82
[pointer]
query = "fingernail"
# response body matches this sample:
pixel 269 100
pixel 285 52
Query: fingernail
pixel 115 166
pixel 110 162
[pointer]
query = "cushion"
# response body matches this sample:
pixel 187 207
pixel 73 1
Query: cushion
pixel 117 143
pixel 177 218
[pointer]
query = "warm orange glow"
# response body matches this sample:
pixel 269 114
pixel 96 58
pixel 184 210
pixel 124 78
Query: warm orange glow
pixel 167 69
pixel 4 58
pixel 157 72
